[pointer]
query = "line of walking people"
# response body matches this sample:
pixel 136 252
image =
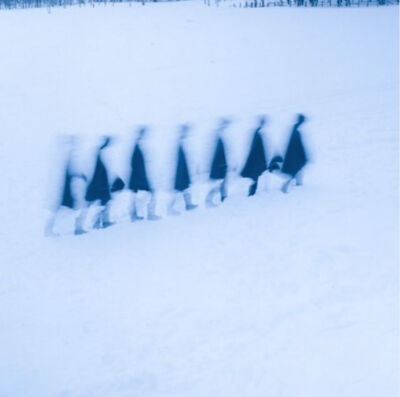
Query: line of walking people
pixel 100 189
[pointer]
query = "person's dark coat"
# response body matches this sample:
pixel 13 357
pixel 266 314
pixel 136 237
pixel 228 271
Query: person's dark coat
pixel 219 166
pixel 295 157
pixel 256 162
pixel 182 177
pixel 138 179
pixel 67 200
pixel 99 187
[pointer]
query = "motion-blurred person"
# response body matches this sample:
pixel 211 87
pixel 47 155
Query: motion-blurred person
pixel 219 167
pixel 139 181
pixel 68 198
pixel 182 176
pixel 295 156
pixel 99 189
pixel 256 162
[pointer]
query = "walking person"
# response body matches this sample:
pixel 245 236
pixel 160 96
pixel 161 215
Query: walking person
pixel 68 197
pixel 256 162
pixel 139 181
pixel 295 157
pixel 182 176
pixel 219 167
pixel 99 190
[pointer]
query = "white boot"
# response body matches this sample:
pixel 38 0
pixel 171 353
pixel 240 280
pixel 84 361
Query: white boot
pixel 188 201
pixel 285 186
pixel 151 216
pixel 134 215
pixel 171 209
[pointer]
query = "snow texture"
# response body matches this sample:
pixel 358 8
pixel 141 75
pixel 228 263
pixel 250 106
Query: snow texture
pixel 274 295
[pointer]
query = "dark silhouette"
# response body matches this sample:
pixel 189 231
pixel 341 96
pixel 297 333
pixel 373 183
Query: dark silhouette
pixel 275 163
pixel 139 181
pixel 99 189
pixel 117 185
pixel 67 196
pixel 256 162
pixel 295 156
pixel 67 200
pixel 182 176
pixel 219 166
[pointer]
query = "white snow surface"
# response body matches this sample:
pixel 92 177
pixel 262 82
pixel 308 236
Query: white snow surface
pixel 274 295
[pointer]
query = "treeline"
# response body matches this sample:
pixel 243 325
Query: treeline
pixel 300 3
pixel 11 4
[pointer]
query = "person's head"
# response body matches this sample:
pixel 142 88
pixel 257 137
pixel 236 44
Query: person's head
pixel 261 121
pixel 141 132
pixel 106 141
pixel 300 118
pixel 70 141
pixel 224 122
pixel 183 131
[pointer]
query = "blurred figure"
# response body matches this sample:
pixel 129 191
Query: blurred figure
pixel 295 156
pixel 67 199
pixel 139 181
pixel 99 189
pixel 182 176
pixel 256 162
pixel 219 167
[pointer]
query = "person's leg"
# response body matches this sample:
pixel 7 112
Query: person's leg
pixel 151 215
pixel 222 190
pixel 106 215
pixel 98 223
pixel 80 220
pixel 188 200
pixel 171 206
pixel 299 178
pixel 253 187
pixel 285 186
pixel 210 196
pixel 134 215
pixel 48 231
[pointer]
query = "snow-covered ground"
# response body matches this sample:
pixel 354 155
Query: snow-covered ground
pixel 276 295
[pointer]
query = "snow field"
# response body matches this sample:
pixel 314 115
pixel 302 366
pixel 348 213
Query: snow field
pixel 277 295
